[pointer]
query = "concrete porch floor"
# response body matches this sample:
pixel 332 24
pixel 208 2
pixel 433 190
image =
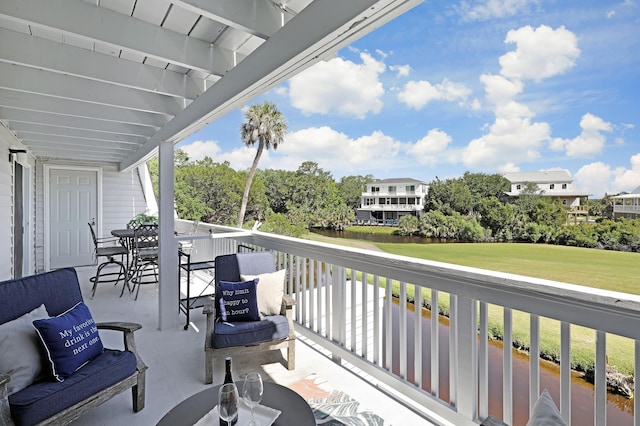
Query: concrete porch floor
pixel 176 362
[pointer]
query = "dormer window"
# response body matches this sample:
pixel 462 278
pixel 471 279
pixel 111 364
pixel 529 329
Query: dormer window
pixel 518 187
pixel 564 186
pixel 552 186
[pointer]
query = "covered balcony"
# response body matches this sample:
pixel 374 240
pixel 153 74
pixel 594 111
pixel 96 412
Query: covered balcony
pixel 345 316
pixel 91 90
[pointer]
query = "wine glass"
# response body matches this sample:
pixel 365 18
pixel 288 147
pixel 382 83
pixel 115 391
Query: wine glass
pixel 228 402
pixel 252 393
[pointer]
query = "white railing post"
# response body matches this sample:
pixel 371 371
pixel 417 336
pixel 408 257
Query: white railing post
pixel 338 302
pixel 467 359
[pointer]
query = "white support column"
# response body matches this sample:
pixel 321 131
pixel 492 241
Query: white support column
pixel 168 256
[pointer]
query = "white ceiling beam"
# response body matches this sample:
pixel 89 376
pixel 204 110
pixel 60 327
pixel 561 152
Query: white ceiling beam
pixel 29 138
pixel 81 145
pixel 317 31
pixel 91 22
pixel 65 107
pixel 35 117
pixel 259 18
pixel 40 129
pixel 36 52
pixel 31 80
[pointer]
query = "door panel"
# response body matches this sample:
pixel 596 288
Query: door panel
pixel 73 204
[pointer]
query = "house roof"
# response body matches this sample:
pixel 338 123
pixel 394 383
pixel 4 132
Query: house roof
pixel 108 81
pixel 547 176
pixel 633 194
pixel 399 180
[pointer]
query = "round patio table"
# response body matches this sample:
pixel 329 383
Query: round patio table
pixel 294 409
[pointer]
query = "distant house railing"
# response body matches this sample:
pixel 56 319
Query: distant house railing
pixel 344 304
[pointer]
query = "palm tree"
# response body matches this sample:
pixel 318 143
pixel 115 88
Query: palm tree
pixel 265 125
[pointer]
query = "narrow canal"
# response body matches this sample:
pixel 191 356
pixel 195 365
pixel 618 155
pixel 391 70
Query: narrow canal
pixel 619 408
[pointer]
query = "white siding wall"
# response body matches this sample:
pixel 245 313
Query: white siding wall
pixel 7 140
pixel 122 199
pixel 6 209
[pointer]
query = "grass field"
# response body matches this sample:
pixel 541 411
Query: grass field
pixel 616 271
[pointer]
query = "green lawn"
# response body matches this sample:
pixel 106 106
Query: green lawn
pixel 609 270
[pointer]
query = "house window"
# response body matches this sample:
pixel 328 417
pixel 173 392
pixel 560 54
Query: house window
pixel 564 202
pixel 375 189
pixel 392 189
pixel 552 186
pixel 518 187
pixel 411 201
pixel 410 188
pixel 564 186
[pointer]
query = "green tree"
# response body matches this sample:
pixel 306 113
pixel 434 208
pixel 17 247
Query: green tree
pixel 265 125
pixel 451 195
pixel 408 225
pixel 351 188
pixel 279 186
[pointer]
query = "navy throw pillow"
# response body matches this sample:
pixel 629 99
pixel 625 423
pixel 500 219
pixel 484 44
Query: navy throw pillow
pixel 239 301
pixel 71 340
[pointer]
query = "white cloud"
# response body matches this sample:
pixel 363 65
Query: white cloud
pixel 499 90
pixel 628 179
pixel 240 158
pixel 416 94
pixel 540 53
pixel 589 142
pixel 339 86
pixel 336 151
pixel 611 14
pixel 197 150
pixel 401 70
pixel 490 9
pixel 509 141
pixel 430 148
pixel 599 178
pixel 594 178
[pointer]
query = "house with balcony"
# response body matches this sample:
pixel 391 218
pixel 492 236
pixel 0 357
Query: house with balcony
pixel 554 184
pixel 627 205
pixel 385 201
pixel 89 91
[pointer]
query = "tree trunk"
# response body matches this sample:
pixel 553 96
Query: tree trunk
pixel 247 187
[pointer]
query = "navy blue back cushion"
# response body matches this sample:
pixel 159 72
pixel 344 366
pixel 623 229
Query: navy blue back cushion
pixel 58 290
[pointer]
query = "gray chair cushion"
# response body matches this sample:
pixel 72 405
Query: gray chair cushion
pixel 275 327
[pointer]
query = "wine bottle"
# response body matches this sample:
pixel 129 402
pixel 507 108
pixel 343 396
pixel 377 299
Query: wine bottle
pixel 228 378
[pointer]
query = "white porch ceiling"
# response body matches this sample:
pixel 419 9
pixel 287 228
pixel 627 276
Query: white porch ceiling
pixel 107 80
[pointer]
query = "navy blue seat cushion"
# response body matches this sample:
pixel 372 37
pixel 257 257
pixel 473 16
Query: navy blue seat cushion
pixel 273 327
pixel 46 398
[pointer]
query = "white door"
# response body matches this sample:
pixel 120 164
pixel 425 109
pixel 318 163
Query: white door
pixel 73 204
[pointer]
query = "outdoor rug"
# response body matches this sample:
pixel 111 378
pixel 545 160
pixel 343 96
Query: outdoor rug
pixel 332 407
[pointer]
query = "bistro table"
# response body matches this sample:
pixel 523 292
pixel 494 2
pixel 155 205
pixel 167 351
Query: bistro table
pixel 126 237
pixel 294 409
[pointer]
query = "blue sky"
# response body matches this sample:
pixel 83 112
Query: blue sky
pixel 478 85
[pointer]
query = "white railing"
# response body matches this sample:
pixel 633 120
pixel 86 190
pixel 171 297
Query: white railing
pixel 351 319
pixel 620 208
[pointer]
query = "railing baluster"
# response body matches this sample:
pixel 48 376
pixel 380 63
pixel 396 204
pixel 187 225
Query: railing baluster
pixel 507 368
pixel 354 311
pixel 339 302
pixel 435 345
pixel 417 341
pixel 565 371
pixel 328 309
pixel 453 349
pixel 483 362
pixel 467 361
pixel 403 330
pixel 376 320
pixel 311 292
pixel 636 384
pixel 534 360
pixel 388 324
pixel 365 314
pixel 601 379
pixel 303 291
